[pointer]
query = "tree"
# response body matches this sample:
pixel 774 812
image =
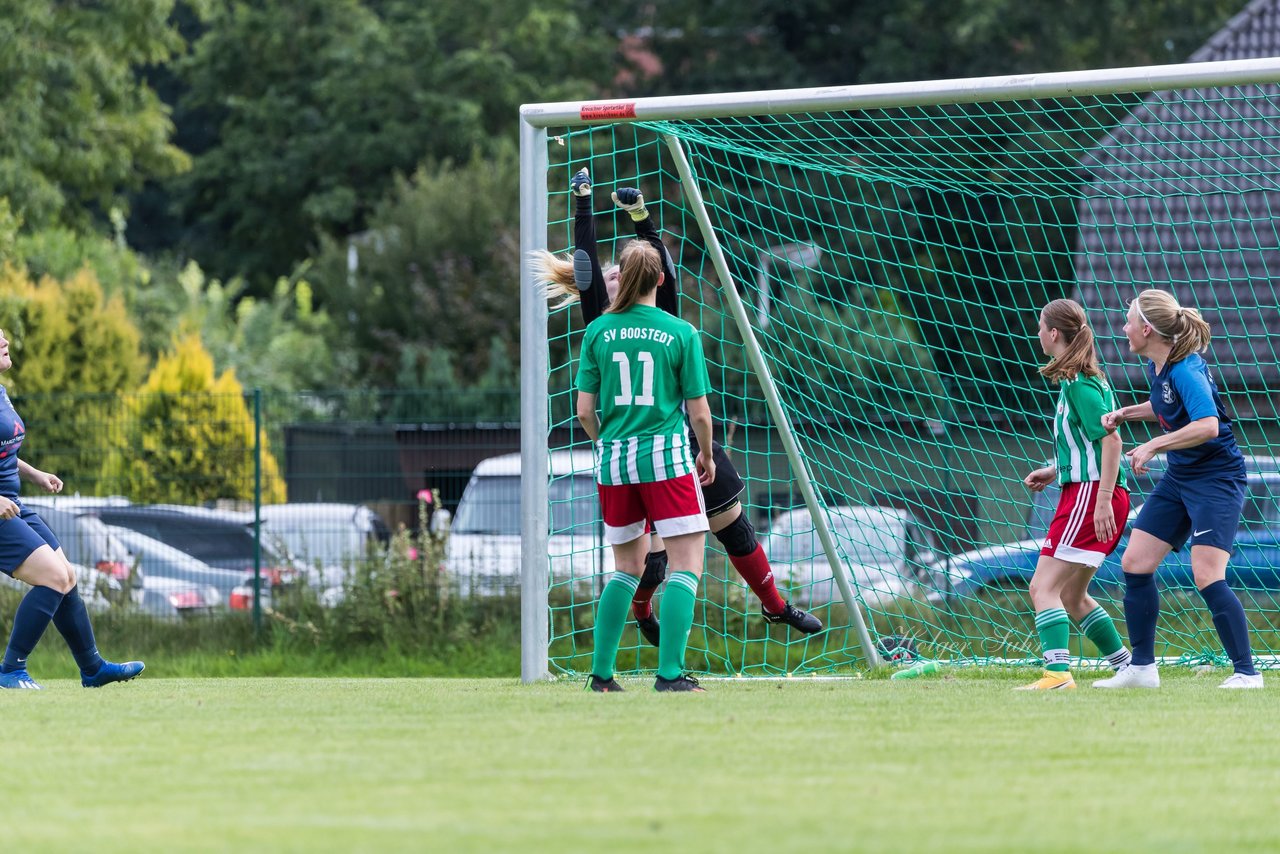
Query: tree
pixel 73 352
pixel 319 104
pixel 277 343
pixel 438 270
pixel 188 436
pixel 80 129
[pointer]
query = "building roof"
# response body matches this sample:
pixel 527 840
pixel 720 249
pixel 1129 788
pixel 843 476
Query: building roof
pixel 1183 195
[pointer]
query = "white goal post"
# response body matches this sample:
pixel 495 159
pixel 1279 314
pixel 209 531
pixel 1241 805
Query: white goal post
pixel 535 119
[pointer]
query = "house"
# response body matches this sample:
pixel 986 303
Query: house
pixel 1184 194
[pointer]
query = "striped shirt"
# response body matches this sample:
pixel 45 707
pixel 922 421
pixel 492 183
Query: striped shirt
pixel 643 364
pixel 643 459
pixel 1078 430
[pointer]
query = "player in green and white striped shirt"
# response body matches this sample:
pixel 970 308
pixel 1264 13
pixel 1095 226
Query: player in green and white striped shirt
pixel 642 368
pixel 1094 503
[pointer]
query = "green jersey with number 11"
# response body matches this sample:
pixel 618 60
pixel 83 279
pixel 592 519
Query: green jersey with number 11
pixel 643 364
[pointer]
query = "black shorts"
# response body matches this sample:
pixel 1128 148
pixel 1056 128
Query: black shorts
pixel 727 486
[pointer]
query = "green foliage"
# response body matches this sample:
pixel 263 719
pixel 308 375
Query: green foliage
pixel 61 252
pixel 79 128
pixel 188 437
pixel 712 46
pixel 342 96
pixel 402 599
pixel 73 350
pixel 278 343
pixel 437 273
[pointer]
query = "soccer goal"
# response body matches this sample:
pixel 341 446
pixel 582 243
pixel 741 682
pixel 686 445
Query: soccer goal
pixel 866 265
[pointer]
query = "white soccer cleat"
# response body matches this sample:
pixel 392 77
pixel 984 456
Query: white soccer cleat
pixel 1243 680
pixel 1132 676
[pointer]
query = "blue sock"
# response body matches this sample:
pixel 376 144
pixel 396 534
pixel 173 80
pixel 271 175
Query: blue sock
pixel 29 622
pixel 72 622
pixel 1141 611
pixel 1228 619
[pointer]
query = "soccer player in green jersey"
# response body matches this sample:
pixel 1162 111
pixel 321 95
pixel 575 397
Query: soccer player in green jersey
pixel 1094 504
pixel 583 279
pixel 639 372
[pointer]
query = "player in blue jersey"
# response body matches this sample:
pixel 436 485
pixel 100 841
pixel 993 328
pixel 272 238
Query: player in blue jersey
pixel 1198 500
pixel 30 553
pixel 583 279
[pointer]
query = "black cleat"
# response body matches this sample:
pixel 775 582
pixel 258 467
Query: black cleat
pixel 648 627
pixel 801 621
pixel 603 686
pixel 680 683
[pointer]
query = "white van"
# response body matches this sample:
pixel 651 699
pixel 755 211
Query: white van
pixel 483 549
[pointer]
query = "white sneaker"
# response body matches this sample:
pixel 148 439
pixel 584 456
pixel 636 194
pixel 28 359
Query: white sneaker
pixel 1243 680
pixel 1132 676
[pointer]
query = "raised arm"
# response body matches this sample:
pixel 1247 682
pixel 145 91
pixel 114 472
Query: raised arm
pixel 587 274
pixel 630 200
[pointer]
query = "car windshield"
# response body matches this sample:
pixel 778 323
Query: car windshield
pixel 868 537
pixel 491 505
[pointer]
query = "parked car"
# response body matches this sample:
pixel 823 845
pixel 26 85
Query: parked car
pixel 329 538
pixel 483 549
pixel 220 538
pixel 173 597
pixel 206 587
pixel 1254 564
pixel 883 548
pixel 105 568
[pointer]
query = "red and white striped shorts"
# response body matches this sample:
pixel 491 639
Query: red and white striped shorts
pixel 1071 536
pixel 674 507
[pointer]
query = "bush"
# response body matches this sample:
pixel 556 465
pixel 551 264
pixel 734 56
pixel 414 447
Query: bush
pixel 189 437
pixel 73 351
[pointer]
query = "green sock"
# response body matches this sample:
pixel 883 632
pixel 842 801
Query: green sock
pixel 611 617
pixel 1054 628
pixel 1099 628
pixel 677 620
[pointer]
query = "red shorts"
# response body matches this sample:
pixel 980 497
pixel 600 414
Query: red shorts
pixel 1071 537
pixel 673 506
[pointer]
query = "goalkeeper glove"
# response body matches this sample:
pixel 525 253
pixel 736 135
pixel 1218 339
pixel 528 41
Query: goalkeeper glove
pixel 630 200
pixel 580 183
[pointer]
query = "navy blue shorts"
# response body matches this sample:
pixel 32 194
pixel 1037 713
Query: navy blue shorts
pixel 20 537
pixel 1204 510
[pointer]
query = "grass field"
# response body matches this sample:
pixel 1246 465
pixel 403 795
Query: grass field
pixel 956 763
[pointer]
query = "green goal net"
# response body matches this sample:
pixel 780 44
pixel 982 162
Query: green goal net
pixel 890 263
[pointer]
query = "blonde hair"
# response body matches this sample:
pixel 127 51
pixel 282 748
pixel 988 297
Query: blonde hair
pixel 1080 358
pixel 555 276
pixel 1185 330
pixel 639 272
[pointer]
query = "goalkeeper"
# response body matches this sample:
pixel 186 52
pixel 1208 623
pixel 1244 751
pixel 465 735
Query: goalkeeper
pixel 584 280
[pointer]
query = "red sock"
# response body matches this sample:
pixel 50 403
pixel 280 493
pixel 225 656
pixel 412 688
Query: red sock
pixel 640 604
pixel 755 570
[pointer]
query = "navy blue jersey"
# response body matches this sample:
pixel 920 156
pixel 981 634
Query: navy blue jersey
pixel 12 431
pixel 1184 392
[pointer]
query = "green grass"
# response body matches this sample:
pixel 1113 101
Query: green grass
pixel 956 763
